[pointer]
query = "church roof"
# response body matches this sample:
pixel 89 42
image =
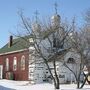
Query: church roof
pixel 17 44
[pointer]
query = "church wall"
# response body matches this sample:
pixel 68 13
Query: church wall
pixel 18 74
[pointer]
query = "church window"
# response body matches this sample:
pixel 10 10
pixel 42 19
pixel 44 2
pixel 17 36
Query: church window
pixel 54 42
pixel 15 64
pixel 57 43
pixel 31 40
pixel 7 64
pixel 23 63
pixel 71 60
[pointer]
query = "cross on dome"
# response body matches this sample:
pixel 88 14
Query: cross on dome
pixel 56 5
pixel 36 15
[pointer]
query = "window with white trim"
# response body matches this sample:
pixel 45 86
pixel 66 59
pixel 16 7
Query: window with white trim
pixel 7 64
pixel 15 64
pixel 23 62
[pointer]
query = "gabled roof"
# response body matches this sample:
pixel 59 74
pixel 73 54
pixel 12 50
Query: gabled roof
pixel 17 44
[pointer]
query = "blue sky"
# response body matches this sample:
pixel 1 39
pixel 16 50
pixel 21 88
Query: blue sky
pixel 9 8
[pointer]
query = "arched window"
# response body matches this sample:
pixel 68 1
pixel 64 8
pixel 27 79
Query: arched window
pixel 71 60
pixel 15 63
pixel 7 64
pixel 23 62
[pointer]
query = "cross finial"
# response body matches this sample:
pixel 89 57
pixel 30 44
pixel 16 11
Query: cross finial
pixel 36 14
pixel 73 23
pixel 56 5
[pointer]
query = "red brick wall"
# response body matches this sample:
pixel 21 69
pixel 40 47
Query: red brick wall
pixel 1 62
pixel 18 74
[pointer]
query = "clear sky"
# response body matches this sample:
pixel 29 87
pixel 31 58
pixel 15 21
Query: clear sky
pixel 9 8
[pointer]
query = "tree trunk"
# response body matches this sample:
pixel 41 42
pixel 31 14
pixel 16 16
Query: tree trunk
pixel 56 84
pixel 83 82
pixel 78 79
pixel 56 77
pixel 78 84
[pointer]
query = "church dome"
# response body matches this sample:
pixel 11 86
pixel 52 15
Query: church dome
pixel 36 27
pixel 55 19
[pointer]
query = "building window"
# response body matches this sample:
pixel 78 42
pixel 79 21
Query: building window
pixel 57 43
pixel 23 63
pixel 15 64
pixel 7 64
pixel 54 42
pixel 31 40
pixel 71 60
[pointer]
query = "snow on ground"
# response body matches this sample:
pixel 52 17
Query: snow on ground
pixel 24 85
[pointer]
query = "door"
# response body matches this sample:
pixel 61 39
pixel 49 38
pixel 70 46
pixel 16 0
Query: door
pixel 1 71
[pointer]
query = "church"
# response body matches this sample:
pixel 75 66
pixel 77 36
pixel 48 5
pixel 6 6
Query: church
pixel 16 60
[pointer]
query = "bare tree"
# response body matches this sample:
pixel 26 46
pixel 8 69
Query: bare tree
pixel 80 45
pixel 86 35
pixel 48 42
pixel 79 42
pixel 87 17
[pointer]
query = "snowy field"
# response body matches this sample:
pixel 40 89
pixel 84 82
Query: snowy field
pixel 24 85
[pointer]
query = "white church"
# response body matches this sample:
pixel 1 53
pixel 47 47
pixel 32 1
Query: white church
pixel 38 71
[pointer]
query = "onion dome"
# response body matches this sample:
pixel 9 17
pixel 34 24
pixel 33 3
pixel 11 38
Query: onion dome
pixel 36 27
pixel 55 19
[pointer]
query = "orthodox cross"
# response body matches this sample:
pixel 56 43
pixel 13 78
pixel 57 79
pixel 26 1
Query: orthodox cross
pixel 56 5
pixel 73 23
pixel 36 15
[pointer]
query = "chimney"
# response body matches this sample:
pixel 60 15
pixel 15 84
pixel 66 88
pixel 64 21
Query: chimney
pixel 10 41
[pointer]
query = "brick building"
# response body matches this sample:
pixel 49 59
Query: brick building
pixel 14 59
